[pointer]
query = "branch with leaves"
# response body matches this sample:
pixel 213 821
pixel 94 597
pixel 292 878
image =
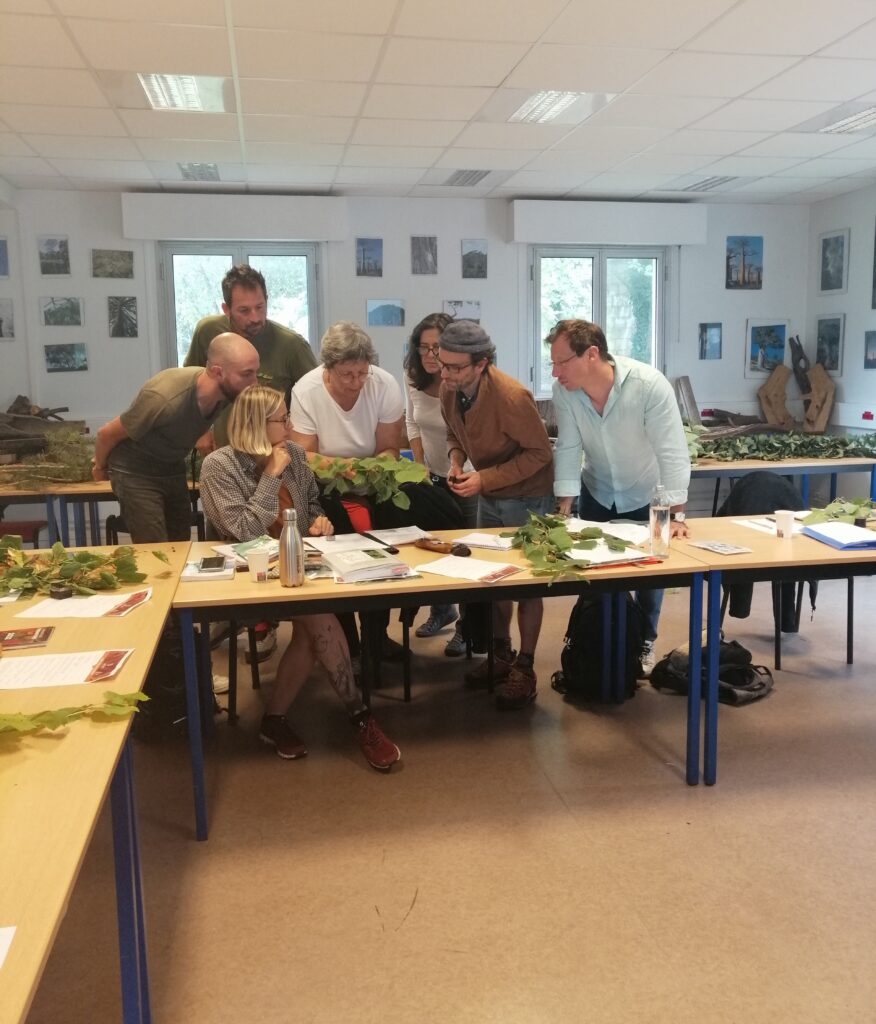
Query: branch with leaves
pixel 381 477
pixel 775 447
pixel 842 510
pixel 545 542
pixel 114 707
pixel 67 459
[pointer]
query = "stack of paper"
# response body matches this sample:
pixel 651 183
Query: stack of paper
pixel 240 550
pixel 351 566
pixel 844 536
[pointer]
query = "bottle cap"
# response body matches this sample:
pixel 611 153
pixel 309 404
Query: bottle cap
pixel 289 513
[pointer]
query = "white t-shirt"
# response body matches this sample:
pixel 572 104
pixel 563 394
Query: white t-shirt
pixel 423 419
pixel 346 434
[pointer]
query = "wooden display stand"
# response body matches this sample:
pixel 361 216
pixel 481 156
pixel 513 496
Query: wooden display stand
pixel 817 402
pixel 772 399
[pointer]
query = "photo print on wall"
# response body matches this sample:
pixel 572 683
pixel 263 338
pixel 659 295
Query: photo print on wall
pixel 7 320
pixel 369 257
pixel 4 258
pixel 833 274
pixel 462 309
pixel 61 312
pixel 112 263
pixel 122 312
pixel 66 358
pixel 744 262
pixel 765 346
pixel 474 258
pixel 385 313
pixel 54 256
pixel 870 350
pixel 424 254
pixel 710 341
pixel 829 334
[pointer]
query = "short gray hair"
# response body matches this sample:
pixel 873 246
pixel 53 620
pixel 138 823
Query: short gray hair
pixel 346 342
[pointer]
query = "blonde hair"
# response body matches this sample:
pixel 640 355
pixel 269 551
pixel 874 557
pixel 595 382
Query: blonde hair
pixel 248 422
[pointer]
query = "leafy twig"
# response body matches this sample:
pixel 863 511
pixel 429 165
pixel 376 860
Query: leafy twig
pixel 380 476
pixel 114 706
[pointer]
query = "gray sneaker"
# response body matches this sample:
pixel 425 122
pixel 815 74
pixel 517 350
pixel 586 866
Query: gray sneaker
pixel 455 646
pixel 435 623
pixel 648 658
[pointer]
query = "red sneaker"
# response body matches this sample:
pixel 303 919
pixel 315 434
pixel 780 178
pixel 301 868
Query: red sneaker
pixel 380 752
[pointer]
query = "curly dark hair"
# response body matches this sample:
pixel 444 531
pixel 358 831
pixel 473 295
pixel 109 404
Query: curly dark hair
pixel 244 276
pixel 416 373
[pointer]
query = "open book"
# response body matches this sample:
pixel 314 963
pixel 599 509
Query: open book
pixel 358 566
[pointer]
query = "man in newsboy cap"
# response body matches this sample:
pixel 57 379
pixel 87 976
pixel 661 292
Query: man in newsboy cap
pixel 492 420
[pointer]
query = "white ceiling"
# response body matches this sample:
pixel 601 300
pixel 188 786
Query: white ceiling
pixel 390 97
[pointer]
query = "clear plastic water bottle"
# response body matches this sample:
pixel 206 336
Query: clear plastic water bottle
pixel 291 551
pixel 659 522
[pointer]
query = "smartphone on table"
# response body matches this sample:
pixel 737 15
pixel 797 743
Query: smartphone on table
pixel 212 563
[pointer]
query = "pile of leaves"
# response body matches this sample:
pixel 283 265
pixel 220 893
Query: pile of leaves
pixel 378 476
pixel 545 542
pixel 775 447
pixel 67 459
pixel 114 706
pixel 84 572
pixel 842 510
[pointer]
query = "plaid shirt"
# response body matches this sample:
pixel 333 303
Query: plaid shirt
pixel 242 502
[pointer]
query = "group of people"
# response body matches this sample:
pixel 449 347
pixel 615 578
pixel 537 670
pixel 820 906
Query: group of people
pixel 477 430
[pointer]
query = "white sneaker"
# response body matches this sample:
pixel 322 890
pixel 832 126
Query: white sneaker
pixel 648 658
pixel 220 683
pixel 266 644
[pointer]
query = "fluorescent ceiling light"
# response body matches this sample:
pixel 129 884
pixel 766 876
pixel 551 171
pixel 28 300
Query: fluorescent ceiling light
pixel 172 92
pixel 545 106
pixel 859 122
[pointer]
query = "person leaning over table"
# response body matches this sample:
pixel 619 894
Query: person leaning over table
pixel 144 449
pixel 623 417
pixel 492 420
pixel 245 486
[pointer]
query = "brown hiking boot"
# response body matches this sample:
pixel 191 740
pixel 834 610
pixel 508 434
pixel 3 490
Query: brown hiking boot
pixel 479 678
pixel 517 691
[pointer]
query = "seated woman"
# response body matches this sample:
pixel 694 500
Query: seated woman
pixel 244 487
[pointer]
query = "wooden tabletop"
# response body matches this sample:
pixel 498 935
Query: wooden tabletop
pixel 53 785
pixel 738 467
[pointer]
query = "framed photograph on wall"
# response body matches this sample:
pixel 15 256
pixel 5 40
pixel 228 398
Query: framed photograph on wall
pixel 112 263
pixel 122 316
pixel 424 254
pixel 4 258
pixel 54 256
pixel 766 346
pixel 833 266
pixel 870 350
pixel 385 312
pixel 7 320
pixel 369 257
pixel 462 309
pixel 64 312
pixel 743 263
pixel 710 341
pixel 829 334
pixel 66 358
pixel 474 258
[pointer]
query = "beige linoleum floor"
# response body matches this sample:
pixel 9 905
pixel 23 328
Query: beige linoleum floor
pixel 520 868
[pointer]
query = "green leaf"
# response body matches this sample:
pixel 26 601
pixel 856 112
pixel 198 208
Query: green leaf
pixel 162 557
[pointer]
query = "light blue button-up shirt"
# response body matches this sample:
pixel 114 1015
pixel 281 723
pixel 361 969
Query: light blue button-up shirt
pixel 636 443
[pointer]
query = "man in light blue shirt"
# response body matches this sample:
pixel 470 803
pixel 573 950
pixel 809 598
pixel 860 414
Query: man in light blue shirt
pixel 622 417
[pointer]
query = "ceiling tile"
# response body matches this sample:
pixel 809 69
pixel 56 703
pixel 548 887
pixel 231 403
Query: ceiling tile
pixel 385 132
pixel 767 115
pixel 169 170
pixel 319 99
pixel 581 68
pixel 423 62
pixel 354 16
pixel 519 135
pixel 714 143
pixel 425 101
pixel 292 153
pixel 783 26
pixel 391 156
pixel 290 174
pixel 632 183
pixel 84 147
pixel 829 167
pixel 26 7
pixel 634 22
pixel 751 166
pixel 665 163
pixel 179 124
pixel 380 175
pixel 297 129
pixel 594 160
pixel 14 145
pixel 59 87
pixel 487 20
pixel 199 151
pixel 617 141
pixel 61 121
pixel 866 148
pixel 632 110
pixel 115 170
pixel 182 12
pixel 39 181
pixel 36 42
pixel 32 165
pixel 860 43
pixel 710 74
pixel 799 144
pixel 562 181
pixel 307 55
pixel 485 159
pixel 819 79
pixel 164 49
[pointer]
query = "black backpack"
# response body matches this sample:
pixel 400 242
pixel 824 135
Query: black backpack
pixel 581 675
pixel 739 682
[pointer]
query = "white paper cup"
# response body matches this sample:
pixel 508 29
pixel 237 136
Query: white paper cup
pixel 257 563
pixel 784 524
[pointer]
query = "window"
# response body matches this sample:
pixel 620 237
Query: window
pixel 619 288
pixel 191 277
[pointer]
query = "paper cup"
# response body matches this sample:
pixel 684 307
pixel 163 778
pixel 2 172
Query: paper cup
pixel 257 563
pixel 784 524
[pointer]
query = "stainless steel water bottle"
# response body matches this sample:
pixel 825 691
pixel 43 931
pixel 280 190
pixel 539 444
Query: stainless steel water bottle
pixel 291 551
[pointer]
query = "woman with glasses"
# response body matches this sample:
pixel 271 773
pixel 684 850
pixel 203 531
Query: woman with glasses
pixel 427 435
pixel 245 486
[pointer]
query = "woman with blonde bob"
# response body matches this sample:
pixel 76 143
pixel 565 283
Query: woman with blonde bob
pixel 245 486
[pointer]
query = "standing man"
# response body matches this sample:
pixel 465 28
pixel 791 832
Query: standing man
pixel 284 355
pixel 144 450
pixel 492 420
pixel 623 416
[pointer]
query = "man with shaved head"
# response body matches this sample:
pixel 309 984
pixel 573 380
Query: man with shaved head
pixel 144 450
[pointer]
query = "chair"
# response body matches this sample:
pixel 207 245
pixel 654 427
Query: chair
pixel 27 529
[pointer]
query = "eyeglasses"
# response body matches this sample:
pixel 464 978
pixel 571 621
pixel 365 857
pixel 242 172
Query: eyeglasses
pixel 351 377
pixel 562 362
pixel 428 350
pixel 286 420
pixel 454 368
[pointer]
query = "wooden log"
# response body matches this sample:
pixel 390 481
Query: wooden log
pixel 819 401
pixel 772 399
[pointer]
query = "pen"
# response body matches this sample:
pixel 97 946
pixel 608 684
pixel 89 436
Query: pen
pixel 388 579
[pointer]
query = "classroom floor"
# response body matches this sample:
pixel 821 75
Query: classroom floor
pixel 545 866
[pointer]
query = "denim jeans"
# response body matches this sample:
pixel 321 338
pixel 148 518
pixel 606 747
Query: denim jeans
pixel 650 601
pixel 512 511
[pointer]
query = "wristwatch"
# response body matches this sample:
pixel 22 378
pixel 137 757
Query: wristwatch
pixel 679 517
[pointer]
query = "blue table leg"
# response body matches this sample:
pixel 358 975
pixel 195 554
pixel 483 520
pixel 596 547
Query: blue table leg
pixel 94 521
pixel 65 526
pixel 50 519
pixel 193 710
pixel 605 681
pixel 710 753
pixel 620 647
pixel 129 894
pixel 79 524
pixel 833 477
pixel 804 489
pixel 695 679
pixel 873 484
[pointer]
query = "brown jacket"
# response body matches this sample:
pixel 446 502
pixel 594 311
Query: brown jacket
pixel 503 435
